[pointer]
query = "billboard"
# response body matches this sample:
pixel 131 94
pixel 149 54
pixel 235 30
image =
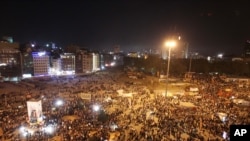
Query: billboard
pixel 34 111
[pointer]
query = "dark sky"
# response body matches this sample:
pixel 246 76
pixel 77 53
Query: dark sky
pixel 210 27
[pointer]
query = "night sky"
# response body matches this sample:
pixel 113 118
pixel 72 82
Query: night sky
pixel 210 27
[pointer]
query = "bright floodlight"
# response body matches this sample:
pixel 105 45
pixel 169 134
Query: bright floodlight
pixel 170 44
pixel 22 129
pixel 224 135
pixel 220 55
pixel 49 129
pixel 96 108
pixel 112 63
pixel 25 134
pixel 59 103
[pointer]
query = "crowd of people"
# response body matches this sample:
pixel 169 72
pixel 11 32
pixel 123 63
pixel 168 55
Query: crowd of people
pixel 144 116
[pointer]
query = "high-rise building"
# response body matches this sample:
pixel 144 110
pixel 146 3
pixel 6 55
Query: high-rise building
pixel 83 61
pixel 96 61
pixel 41 63
pixel 55 69
pixel 27 64
pixel 78 63
pixel 10 61
pixel 68 63
pixel 86 61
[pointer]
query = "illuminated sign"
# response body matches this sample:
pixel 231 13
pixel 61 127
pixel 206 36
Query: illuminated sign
pixel 41 53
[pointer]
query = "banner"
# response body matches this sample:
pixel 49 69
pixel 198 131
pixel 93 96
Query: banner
pixel 84 96
pixel 35 111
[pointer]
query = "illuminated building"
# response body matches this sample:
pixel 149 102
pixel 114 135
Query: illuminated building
pixel 27 59
pixel 68 63
pixel 133 54
pixel 10 61
pixel 41 62
pixel 106 60
pixel 118 59
pixel 96 62
pixel 56 67
pixel 86 62
pixel 83 62
pixel 27 62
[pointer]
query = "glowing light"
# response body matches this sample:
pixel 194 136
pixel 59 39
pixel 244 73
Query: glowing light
pixel 22 129
pixel 170 44
pixel 49 129
pixel 224 135
pixel 41 53
pixel 220 55
pixel 69 72
pixel 112 64
pixel 179 38
pixel 96 108
pixel 25 134
pixel 209 58
pixel 3 64
pixel 59 103
pixel 27 75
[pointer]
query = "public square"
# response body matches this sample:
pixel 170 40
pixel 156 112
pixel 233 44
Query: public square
pixel 121 109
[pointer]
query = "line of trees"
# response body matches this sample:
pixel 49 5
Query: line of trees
pixel 154 64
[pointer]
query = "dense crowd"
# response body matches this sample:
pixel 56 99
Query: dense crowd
pixel 144 116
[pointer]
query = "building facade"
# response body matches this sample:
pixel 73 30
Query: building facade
pixel 55 69
pixel 68 63
pixel 96 62
pixel 87 62
pixel 41 63
pixel 10 61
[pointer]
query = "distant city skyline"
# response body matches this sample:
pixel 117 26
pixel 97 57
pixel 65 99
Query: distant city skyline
pixel 209 27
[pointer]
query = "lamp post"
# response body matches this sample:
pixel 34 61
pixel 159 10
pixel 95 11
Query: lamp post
pixel 96 109
pixel 169 45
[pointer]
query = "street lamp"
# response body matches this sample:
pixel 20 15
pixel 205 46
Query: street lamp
pixel 96 109
pixel 169 45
